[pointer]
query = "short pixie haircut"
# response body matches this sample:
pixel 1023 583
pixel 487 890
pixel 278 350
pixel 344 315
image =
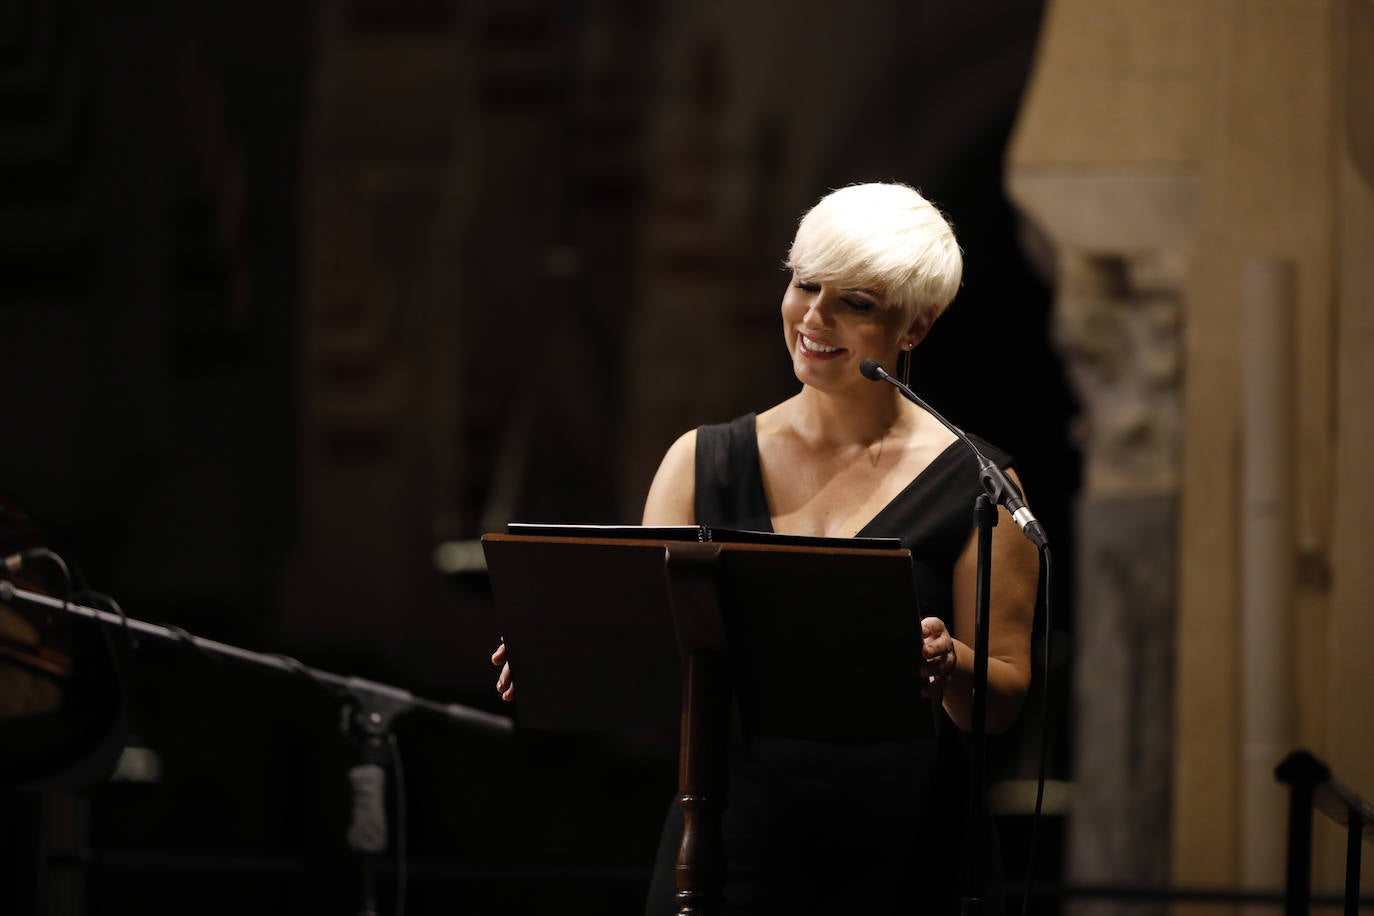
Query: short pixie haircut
pixel 884 238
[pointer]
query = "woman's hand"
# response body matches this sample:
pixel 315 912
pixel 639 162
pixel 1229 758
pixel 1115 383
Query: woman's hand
pixel 938 657
pixel 505 684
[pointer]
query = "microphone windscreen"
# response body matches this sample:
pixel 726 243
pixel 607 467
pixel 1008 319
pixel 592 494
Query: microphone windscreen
pixel 872 369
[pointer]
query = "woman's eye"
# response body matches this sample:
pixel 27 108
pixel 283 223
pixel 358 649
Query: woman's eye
pixel 808 287
pixel 860 305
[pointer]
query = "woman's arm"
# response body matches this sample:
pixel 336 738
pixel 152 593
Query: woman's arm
pixel 673 493
pixel 1015 576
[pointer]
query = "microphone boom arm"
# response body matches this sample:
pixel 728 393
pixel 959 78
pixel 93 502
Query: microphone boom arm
pixel 1001 489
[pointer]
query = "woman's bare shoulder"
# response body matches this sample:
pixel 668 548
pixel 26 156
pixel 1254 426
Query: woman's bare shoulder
pixel 673 492
pixel 682 451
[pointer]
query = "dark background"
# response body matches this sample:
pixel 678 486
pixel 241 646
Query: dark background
pixel 169 189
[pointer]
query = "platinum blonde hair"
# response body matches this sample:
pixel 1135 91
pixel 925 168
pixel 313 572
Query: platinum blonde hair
pixel 885 238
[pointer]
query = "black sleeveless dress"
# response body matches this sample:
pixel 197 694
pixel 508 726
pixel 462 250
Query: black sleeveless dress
pixel 822 827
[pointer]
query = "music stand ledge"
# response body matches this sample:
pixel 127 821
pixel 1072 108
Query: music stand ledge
pixel 611 634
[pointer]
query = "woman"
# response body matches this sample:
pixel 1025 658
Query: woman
pixel 872 828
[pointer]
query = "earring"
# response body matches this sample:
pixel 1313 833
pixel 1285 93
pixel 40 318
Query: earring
pixel 904 366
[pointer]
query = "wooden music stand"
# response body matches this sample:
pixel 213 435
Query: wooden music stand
pixel 613 634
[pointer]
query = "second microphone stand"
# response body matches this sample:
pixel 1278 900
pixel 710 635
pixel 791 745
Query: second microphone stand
pixel 368 710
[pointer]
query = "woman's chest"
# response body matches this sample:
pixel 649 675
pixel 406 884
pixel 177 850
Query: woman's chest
pixel 833 495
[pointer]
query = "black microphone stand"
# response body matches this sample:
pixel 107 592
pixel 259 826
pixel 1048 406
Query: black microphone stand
pixel 367 716
pixel 997 490
pixel 985 517
pixel 368 710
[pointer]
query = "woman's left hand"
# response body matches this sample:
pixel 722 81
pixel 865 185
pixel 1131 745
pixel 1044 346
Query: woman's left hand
pixel 938 657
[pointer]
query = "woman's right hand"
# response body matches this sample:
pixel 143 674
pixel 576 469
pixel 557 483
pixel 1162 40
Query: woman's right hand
pixel 505 684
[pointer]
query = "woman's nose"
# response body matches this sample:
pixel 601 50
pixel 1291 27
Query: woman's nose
pixel 819 310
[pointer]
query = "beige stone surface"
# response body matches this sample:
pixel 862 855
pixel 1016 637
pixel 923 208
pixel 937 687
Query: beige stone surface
pixel 1109 209
pixel 1118 82
pixel 1268 192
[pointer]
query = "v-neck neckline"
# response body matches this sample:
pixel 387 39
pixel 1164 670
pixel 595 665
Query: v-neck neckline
pixel 763 493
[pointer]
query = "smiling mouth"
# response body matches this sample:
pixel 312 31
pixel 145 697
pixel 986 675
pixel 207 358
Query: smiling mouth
pixel 815 348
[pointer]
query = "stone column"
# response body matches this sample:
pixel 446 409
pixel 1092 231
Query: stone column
pixel 1102 166
pixel 1118 330
pixel 1117 324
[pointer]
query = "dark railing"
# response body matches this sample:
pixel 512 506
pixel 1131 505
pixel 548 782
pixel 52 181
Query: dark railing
pixel 1313 786
pixel 1143 894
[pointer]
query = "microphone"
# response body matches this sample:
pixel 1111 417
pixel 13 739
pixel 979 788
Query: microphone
pixel 999 487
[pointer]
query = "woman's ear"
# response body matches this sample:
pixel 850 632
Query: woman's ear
pixel 917 330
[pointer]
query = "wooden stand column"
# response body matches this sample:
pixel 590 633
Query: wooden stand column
pixel 693 573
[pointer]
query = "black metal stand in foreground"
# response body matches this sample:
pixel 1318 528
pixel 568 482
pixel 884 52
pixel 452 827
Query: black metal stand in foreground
pixel 985 517
pixel 367 717
pixel 1313 786
pixel 368 711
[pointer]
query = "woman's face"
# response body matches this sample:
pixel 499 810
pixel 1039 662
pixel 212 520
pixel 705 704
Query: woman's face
pixel 831 328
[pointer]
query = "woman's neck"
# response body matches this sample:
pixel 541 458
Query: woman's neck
pixel 856 417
